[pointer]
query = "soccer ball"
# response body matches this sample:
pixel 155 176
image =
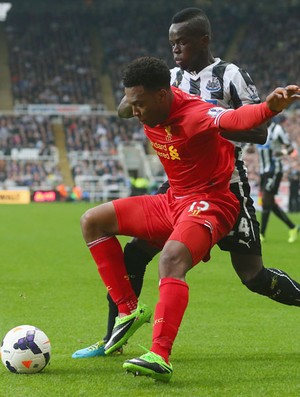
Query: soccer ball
pixel 25 350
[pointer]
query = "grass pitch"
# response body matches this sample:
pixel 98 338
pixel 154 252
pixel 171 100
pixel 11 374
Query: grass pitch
pixel 231 343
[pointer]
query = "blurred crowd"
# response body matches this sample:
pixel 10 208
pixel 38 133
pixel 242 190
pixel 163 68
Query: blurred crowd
pixel 19 132
pixel 269 50
pixel 51 53
pixel 101 134
pixel 27 152
pixel 31 174
pixel 52 61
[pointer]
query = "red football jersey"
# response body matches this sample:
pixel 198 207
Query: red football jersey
pixel 195 157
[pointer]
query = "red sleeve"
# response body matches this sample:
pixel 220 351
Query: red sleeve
pixel 245 117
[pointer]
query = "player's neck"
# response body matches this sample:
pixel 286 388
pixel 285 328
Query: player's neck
pixel 204 62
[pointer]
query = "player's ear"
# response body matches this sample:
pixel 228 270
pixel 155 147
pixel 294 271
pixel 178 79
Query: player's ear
pixel 162 95
pixel 205 39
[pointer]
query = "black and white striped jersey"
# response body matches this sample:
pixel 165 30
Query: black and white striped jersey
pixel 270 157
pixel 223 84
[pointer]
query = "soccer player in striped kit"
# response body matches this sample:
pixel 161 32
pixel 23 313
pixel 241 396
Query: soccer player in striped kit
pixel 220 83
pixel 271 171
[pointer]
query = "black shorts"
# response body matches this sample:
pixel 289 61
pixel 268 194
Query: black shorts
pixel 270 181
pixel 244 237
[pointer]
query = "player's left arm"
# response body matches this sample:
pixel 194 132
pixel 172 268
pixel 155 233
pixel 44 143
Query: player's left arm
pixel 242 90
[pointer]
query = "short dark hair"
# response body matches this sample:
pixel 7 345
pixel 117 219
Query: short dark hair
pixel 198 21
pixel 149 72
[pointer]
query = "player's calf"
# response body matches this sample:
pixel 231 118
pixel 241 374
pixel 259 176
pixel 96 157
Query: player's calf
pixel 276 285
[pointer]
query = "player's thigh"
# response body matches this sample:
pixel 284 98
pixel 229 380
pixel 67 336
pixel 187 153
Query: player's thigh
pixel 197 240
pixel 144 217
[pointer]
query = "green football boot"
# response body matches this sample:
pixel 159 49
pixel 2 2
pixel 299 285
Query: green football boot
pixel 151 365
pixel 126 326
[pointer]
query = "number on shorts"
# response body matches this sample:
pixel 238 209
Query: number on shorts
pixel 243 227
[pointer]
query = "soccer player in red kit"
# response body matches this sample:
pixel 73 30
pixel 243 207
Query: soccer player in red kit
pixel 197 210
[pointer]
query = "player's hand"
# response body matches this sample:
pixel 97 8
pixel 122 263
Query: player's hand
pixel 281 97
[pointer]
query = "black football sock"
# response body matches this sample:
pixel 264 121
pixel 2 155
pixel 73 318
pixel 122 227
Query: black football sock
pixel 276 285
pixel 136 261
pixel 112 314
pixel 282 216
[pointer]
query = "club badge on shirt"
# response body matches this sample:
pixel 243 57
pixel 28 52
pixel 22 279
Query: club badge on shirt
pixel 168 131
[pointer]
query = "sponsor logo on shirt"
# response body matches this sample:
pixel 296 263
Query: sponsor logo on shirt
pixel 173 153
pixel 165 151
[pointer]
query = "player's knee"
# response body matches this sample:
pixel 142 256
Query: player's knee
pixel 174 265
pixel 90 225
pixel 248 266
pixel 266 207
pixel 259 283
pixel 86 221
pixel 268 202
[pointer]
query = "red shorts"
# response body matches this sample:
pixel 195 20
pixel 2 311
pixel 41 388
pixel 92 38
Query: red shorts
pixel 165 217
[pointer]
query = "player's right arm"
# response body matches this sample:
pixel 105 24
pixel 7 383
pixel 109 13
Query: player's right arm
pixel 124 109
pixel 255 135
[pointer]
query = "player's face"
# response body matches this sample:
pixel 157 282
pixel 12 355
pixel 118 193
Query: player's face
pixel 189 49
pixel 150 107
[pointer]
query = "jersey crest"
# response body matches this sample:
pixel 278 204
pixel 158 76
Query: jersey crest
pixel 213 85
pixel 169 134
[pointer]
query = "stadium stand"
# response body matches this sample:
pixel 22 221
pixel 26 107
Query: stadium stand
pixel 28 155
pixel 55 72
pixel 64 81
pixel 274 47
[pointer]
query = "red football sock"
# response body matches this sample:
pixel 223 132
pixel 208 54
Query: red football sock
pixel 108 255
pixel 174 296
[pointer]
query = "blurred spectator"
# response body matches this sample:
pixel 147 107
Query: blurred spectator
pixel 139 186
pixel 294 179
